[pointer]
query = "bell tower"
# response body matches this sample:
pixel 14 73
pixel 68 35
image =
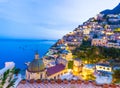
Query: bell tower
pixel 36 55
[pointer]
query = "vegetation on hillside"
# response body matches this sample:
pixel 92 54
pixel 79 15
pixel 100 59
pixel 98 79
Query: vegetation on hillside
pixel 117 30
pixel 70 64
pixel 94 54
pixel 116 76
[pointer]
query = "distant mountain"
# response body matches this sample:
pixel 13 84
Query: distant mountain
pixel 115 10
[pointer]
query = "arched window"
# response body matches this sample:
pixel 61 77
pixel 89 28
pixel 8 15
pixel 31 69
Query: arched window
pixel 54 77
pixel 58 75
pixel 40 76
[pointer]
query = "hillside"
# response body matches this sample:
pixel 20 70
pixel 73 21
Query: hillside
pixel 115 10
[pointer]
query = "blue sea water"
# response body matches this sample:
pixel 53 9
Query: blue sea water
pixel 21 51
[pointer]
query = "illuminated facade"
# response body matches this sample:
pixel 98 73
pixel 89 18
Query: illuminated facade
pixel 87 70
pixel 103 67
pixel 99 42
pixel 77 66
pixel 37 70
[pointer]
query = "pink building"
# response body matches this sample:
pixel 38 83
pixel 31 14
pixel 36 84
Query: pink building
pixel 99 42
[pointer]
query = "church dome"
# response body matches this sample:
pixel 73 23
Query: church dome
pixel 36 65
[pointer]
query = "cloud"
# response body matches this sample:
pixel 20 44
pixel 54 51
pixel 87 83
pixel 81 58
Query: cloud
pixel 47 19
pixel 3 1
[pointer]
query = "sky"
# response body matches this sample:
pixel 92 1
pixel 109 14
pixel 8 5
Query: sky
pixel 47 19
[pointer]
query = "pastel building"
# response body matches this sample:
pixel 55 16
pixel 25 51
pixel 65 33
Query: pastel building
pixel 87 70
pixel 86 31
pixel 47 60
pixel 77 66
pixel 99 42
pixel 37 70
pixel 66 55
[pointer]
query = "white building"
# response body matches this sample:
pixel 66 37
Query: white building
pixel 103 67
pixel 8 65
pixel 114 45
pixel 86 31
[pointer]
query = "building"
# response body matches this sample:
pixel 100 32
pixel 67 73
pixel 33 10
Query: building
pixel 37 70
pixel 48 59
pixel 112 44
pixel 61 46
pixel 103 67
pixel 88 70
pixel 56 71
pixel 99 42
pixel 66 55
pixel 86 31
pixel 60 60
pixel 77 66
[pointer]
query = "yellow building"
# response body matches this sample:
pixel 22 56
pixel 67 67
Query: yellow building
pixel 77 66
pixel 69 56
pixel 66 55
pixel 87 70
pixel 86 30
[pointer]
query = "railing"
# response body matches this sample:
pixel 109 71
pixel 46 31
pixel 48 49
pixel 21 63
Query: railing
pixel 59 81
pixel 17 81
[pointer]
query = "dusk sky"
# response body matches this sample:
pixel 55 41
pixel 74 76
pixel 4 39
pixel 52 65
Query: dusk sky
pixel 46 19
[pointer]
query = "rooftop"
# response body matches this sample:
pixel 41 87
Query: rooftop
pixel 102 64
pixel 55 69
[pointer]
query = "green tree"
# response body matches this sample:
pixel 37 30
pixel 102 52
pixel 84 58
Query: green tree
pixel 5 75
pixel 70 65
pixel 16 71
pixel 116 76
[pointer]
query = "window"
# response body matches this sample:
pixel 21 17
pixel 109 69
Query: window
pixel 55 77
pixel 41 76
pixel 108 68
pixel 100 67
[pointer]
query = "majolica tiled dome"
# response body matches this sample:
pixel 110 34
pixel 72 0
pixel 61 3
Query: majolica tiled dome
pixel 36 65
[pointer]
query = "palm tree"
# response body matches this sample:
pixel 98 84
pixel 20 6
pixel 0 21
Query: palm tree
pixel 16 71
pixel 7 79
pixel 11 83
pixel 5 76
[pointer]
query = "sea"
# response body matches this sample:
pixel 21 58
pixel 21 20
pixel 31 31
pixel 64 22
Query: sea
pixel 21 51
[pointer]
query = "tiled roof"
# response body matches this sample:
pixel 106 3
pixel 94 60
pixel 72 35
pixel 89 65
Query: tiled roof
pixel 63 85
pixel 102 64
pixel 55 69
